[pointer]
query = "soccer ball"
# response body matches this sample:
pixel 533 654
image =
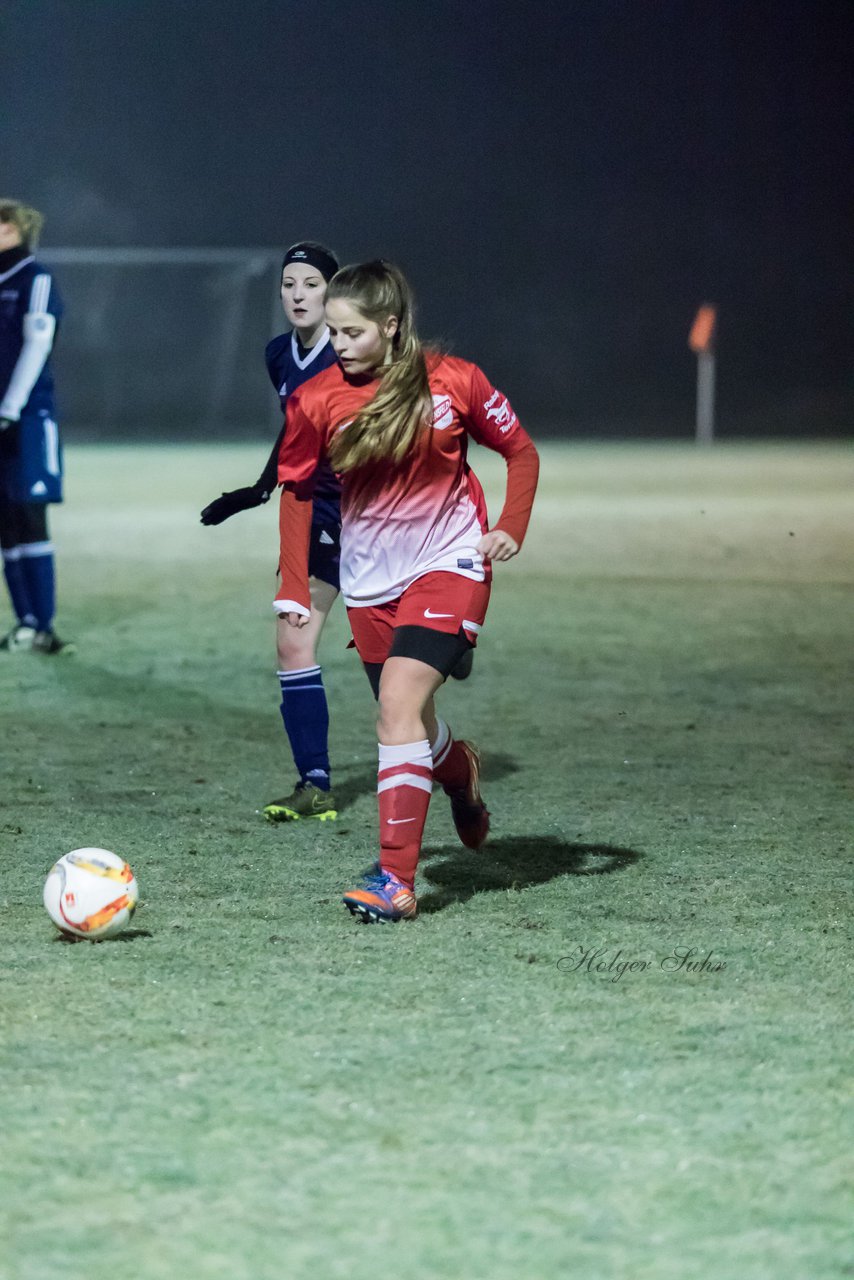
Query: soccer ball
pixel 90 893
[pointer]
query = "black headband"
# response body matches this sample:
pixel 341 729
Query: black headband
pixel 312 256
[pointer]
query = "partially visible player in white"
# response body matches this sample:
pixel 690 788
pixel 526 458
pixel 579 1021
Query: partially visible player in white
pixel 30 453
pixel 416 549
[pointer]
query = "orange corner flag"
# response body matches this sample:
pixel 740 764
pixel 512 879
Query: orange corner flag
pixel 703 329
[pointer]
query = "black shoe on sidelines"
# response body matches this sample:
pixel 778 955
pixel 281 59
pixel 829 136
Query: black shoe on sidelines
pixel 49 642
pixel 20 639
pixel 306 801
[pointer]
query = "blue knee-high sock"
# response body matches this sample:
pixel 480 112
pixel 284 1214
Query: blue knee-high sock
pixel 16 582
pixel 306 718
pixel 39 576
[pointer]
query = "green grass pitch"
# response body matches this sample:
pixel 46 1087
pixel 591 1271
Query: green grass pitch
pixel 249 1085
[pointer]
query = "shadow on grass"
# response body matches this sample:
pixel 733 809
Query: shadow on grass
pixel 350 784
pixel 127 935
pixel 496 766
pixel 512 863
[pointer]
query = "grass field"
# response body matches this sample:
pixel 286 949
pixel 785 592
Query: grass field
pixel 248 1085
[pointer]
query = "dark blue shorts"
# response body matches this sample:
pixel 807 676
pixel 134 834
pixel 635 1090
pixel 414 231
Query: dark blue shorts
pixel 34 474
pixel 324 554
pixel 22 523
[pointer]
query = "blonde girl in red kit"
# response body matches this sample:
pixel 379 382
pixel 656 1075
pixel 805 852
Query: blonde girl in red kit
pixel 416 550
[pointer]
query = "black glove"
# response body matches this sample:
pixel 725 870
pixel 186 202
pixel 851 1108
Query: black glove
pixel 237 500
pixel 10 432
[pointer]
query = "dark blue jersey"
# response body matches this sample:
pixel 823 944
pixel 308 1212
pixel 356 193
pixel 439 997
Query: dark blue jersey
pixel 289 366
pixel 30 309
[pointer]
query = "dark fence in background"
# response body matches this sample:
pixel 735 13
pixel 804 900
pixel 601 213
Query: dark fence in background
pixel 168 344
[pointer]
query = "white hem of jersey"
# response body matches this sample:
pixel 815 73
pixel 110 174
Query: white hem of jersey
pixel 291 606
pixel 25 262
pixel 312 355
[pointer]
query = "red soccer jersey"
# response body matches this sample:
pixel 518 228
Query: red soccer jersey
pixel 427 514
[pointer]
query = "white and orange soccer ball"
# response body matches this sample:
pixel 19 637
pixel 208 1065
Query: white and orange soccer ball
pixel 90 893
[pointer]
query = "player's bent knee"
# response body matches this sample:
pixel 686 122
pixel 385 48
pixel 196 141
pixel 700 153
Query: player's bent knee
pixel 399 712
pixel 293 651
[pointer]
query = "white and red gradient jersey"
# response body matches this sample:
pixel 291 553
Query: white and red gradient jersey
pixel 425 515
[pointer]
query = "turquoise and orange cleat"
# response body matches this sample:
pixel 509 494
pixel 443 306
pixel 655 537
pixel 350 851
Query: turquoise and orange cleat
pixel 381 899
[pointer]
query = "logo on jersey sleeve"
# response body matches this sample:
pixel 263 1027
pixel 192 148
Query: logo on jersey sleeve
pixel 501 414
pixel 443 414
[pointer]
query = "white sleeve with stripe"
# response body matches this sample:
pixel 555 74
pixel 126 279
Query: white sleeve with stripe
pixel 39 328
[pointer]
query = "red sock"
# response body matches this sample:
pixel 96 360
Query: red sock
pixel 404 783
pixel 450 762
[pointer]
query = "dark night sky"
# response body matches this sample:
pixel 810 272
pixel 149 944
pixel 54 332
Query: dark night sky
pixel 563 183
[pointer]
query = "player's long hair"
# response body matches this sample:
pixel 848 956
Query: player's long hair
pixel 28 221
pixel 388 426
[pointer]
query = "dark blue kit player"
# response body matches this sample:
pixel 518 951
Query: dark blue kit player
pixel 292 358
pixel 30 453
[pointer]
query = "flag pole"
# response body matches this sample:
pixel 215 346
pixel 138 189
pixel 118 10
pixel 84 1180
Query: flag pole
pixel 701 341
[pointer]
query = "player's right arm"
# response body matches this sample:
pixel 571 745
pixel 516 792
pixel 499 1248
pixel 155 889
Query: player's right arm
pixel 39 327
pixel 38 330
pixel 301 450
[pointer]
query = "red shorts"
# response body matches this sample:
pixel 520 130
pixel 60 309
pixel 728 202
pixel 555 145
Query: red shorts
pixel 445 602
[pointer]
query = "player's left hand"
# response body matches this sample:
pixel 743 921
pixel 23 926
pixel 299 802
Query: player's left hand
pixel 498 545
pixel 235 500
pixel 295 619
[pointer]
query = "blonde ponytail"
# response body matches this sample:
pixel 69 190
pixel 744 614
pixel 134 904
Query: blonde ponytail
pixel 389 425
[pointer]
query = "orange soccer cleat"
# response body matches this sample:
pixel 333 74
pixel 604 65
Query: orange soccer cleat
pixel 381 899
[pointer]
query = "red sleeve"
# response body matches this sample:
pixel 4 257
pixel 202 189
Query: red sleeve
pixel 294 540
pixel 490 421
pixel 301 448
pixel 299 454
